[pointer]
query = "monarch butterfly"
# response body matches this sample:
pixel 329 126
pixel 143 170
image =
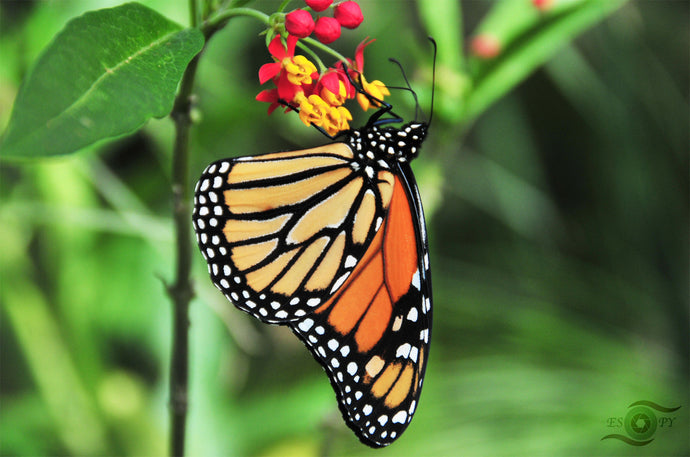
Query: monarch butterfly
pixel 331 242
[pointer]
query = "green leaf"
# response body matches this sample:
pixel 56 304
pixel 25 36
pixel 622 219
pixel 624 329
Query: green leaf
pixel 104 75
pixel 528 39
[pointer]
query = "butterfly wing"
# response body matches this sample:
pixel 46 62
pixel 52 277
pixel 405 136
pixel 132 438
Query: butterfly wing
pixel 282 232
pixel 372 335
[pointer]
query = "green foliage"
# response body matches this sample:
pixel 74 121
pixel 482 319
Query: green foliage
pixel 105 74
pixel 528 39
pixel 557 210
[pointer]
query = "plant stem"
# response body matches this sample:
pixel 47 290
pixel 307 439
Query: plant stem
pixel 217 20
pixel 324 48
pixel 181 291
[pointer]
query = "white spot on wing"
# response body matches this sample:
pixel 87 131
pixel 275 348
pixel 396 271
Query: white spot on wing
pixel 339 282
pixel 352 368
pixel 400 417
pixel 413 406
pixel 305 325
pixel 414 353
pixel 424 335
pixel 403 350
pixel 415 280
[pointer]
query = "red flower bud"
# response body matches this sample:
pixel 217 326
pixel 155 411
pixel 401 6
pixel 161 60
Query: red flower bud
pixel 299 23
pixel 348 14
pixel 485 46
pixel 327 30
pixel 318 5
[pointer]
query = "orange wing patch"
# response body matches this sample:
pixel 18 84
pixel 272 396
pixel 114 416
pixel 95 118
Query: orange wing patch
pixel 384 274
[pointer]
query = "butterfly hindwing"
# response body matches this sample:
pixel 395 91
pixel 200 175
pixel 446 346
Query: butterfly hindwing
pixel 372 336
pixel 282 231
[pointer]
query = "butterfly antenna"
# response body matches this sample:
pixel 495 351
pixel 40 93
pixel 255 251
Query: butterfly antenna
pixel 433 79
pixel 407 82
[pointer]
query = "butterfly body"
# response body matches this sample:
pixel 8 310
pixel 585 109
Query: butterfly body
pixel 331 242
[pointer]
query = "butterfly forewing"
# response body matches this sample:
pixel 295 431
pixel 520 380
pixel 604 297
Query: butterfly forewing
pixel 281 232
pixel 372 336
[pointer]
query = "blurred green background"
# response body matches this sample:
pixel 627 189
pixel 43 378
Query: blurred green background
pixel 558 226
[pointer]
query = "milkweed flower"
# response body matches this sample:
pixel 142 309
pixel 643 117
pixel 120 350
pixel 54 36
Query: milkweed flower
pixel 314 110
pixel 289 71
pixel 334 87
pixel 376 88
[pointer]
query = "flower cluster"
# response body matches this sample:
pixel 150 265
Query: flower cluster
pixel 318 95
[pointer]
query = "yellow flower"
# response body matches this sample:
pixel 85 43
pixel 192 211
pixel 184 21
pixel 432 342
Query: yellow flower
pixel 335 99
pixel 376 89
pixel 299 69
pixel 337 120
pixel 314 110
